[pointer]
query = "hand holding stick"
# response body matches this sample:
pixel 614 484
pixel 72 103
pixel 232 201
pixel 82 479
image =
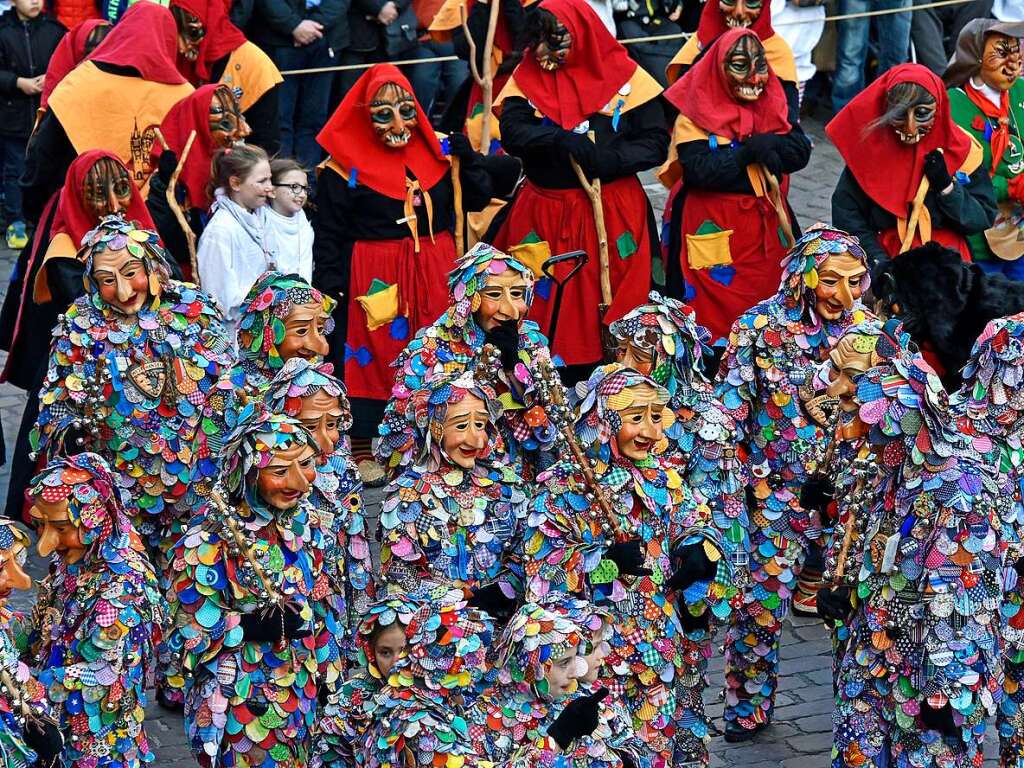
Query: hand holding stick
pixel 172 201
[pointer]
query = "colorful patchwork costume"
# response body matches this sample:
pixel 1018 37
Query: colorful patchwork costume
pixel 571 546
pixel 253 611
pixel 455 343
pixel 447 524
pixel 922 669
pixel 992 400
pixel 772 349
pixel 98 620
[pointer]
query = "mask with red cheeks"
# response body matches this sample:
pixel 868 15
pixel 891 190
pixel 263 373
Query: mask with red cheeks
pixel 191 32
pixel 642 423
pixel 107 189
pixel 57 534
pixel 227 125
pixel 1000 61
pixel 122 280
pixel 746 69
pixel 394 115
pixel 286 479
pixel 13 554
pixel 464 432
pixel 321 415
pixel 305 331
pixel 840 284
pixel 740 13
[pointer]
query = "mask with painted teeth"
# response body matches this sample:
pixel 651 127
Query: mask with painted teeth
pixel 1000 61
pixel 191 32
pixel 555 43
pixel 740 13
pixel 746 69
pixel 394 115
pixel 911 112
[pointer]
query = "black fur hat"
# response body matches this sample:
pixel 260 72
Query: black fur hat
pixel 944 303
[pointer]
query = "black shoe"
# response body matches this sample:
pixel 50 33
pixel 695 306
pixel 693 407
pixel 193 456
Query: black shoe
pixel 166 700
pixel 736 733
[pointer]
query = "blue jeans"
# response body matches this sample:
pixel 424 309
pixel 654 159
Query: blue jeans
pixel 12 158
pixel 303 100
pixel 852 46
pixel 437 79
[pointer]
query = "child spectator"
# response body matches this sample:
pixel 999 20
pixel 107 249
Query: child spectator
pixel 237 245
pixel 286 218
pixel 28 38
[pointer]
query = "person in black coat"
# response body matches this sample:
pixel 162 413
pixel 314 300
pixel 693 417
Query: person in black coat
pixel 28 38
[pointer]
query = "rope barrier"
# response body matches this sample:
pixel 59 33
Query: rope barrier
pixel 651 38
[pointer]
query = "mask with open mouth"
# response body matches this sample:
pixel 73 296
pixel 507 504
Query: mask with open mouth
pixel 911 112
pixel 746 69
pixel 394 115
pixel 191 32
pixel 107 189
pixel 554 44
pixel 740 13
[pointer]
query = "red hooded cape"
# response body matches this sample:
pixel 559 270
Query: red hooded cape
pixel 146 39
pixel 597 66
pixel 72 218
pixel 222 37
pixel 352 143
pixel 191 114
pixel 67 55
pixel 703 95
pixel 712 24
pixel 888 170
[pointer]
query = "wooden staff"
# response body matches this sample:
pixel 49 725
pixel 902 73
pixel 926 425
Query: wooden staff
pixel 915 214
pixel 460 216
pixel 780 209
pixel 593 190
pixel 243 546
pixel 172 202
pixel 485 80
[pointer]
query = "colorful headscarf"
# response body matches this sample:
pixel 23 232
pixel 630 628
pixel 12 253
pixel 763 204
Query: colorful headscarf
pixel 993 387
pixel 95 506
pixel 800 266
pixel 604 396
pixel 261 322
pixel 448 644
pixel 301 378
pixel 113 233
pixel 669 331
pixel 533 638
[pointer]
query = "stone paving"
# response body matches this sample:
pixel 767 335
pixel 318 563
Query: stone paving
pixel 801 734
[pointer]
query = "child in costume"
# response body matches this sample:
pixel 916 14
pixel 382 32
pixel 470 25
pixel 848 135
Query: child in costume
pixel 29 736
pixel 455 516
pixel 490 295
pixel 772 350
pixel 256 628
pixel 349 712
pixel 421 713
pixel 309 393
pixel 922 669
pixel 99 610
pixel 608 527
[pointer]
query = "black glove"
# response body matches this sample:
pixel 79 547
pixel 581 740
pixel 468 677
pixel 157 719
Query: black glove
pixel 758 148
pixel 505 336
pixel 834 604
pixel 165 169
pixel 817 493
pixel 628 556
pixel 940 720
pixel 459 146
pixel 493 600
pixel 935 170
pixel 45 739
pixel 579 718
pixel 692 564
pixel 266 627
pixel 582 150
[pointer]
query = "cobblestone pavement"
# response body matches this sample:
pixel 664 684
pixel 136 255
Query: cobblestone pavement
pixel 801 734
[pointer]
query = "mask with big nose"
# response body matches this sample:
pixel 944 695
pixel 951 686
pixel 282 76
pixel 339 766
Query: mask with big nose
pixel 286 479
pixel 840 284
pixel 911 112
pixel 191 32
pixel 321 415
pixel 227 124
pixel 394 115
pixel 107 189
pixel 746 69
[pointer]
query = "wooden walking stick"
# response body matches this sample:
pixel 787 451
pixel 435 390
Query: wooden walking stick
pixel 593 191
pixel 460 215
pixel 486 79
pixel 915 215
pixel 775 192
pixel 172 201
